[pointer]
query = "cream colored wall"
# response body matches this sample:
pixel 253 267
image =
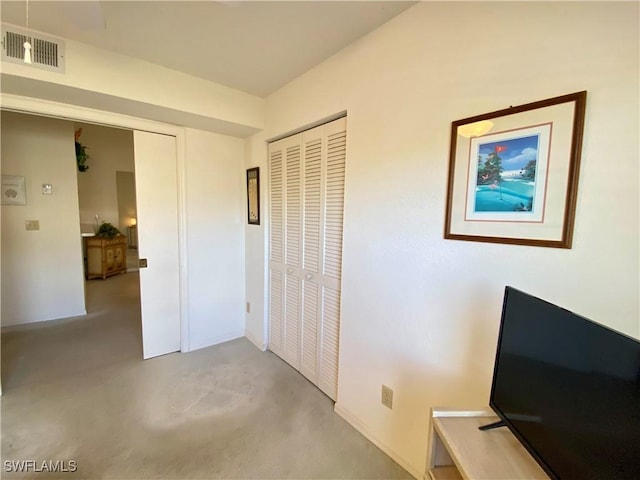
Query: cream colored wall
pixel 126 194
pixel 110 150
pixel 420 313
pixel 42 275
pixel 215 218
pixel 256 328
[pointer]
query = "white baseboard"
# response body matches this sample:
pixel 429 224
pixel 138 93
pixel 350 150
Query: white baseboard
pixel 258 343
pixel 208 342
pixel 356 423
pixel 17 323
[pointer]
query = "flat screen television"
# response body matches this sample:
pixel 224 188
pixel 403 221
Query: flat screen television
pixel 568 389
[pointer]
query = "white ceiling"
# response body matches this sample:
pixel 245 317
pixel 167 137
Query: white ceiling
pixel 253 46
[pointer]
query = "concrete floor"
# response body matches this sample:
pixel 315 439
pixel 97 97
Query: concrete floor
pixel 78 390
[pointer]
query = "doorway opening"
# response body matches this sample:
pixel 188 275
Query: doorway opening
pixel 47 317
pixel 107 193
pixel 47 264
pixel 106 199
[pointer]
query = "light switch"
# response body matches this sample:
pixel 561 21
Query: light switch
pixel 47 189
pixel 32 224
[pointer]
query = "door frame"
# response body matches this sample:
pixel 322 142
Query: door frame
pixel 63 111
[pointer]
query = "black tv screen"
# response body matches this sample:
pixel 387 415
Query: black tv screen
pixel 569 390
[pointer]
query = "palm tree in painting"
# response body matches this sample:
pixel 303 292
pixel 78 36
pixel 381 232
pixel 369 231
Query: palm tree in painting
pixel 529 172
pixel 489 171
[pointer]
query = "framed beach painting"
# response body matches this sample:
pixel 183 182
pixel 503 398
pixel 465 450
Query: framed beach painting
pixel 513 174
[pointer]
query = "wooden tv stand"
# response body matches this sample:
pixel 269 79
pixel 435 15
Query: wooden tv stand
pixel 458 450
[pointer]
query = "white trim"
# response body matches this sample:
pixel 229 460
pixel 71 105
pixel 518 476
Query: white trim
pixel 181 166
pixel 454 412
pixel 356 423
pixel 209 342
pixel 10 325
pixel 266 278
pixel 47 108
pixel 309 126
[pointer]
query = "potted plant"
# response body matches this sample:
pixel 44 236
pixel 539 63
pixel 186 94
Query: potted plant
pixel 81 153
pixel 107 230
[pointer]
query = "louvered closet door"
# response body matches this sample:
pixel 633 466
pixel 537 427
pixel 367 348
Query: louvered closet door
pixel 276 251
pixel 307 199
pixel 333 214
pixel 314 153
pixel 284 249
pixel 324 151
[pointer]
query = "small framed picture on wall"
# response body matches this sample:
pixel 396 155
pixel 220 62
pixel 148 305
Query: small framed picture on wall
pixel 13 190
pixel 253 195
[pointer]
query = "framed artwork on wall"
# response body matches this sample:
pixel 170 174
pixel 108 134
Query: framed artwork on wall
pixel 253 195
pixel 513 174
pixel 13 190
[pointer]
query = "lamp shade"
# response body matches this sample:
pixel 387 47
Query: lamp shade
pixel 476 129
pixel 133 221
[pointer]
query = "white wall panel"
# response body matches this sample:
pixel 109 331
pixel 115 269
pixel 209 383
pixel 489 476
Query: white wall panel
pixel 215 219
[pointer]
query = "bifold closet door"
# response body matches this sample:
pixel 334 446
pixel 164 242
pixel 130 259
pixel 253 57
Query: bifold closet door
pixel 284 250
pixel 324 151
pixel 307 202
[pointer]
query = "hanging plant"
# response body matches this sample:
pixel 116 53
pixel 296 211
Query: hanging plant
pixel 81 153
pixel 107 230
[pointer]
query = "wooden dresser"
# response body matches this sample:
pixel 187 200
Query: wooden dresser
pixel 106 256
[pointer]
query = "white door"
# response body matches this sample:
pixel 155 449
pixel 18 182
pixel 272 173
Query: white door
pixel 157 209
pixel 285 249
pixel 324 154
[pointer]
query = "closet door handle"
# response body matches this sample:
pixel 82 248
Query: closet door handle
pixel 308 276
pixel 289 271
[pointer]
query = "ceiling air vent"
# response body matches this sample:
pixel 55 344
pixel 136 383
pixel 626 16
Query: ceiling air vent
pixel 46 52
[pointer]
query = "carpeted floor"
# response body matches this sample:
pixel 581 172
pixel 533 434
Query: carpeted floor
pixel 77 390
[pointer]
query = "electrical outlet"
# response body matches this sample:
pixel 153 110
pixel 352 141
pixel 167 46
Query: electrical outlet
pixel 387 397
pixel 248 307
